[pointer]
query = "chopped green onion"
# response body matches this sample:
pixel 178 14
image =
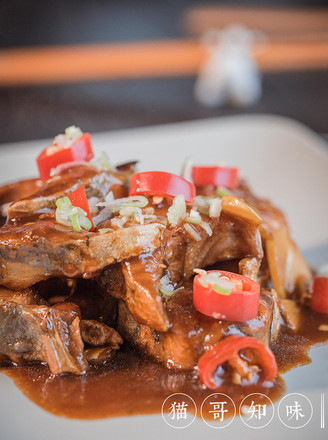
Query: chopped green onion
pixel 85 223
pixel 167 288
pixel 177 210
pixel 75 222
pixel 202 204
pixel 221 290
pixel 136 201
pixel 133 212
pixel 125 202
pixel 65 140
pixel 73 216
pixel 221 192
pixel 63 202
pixel 192 232
pixel 193 220
pixel 206 228
pixel 215 208
pixel 193 217
pixel 169 293
pixel 73 131
pixel 166 292
pixel 203 210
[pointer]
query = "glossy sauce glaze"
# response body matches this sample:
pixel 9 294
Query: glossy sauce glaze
pixel 133 384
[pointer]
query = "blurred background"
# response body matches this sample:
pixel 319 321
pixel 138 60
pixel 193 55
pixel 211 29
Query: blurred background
pixel 148 55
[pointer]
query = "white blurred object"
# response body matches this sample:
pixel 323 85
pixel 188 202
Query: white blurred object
pixel 230 75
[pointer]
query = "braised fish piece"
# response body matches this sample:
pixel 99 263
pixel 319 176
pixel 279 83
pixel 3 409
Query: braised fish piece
pixel 97 182
pixel 31 330
pixel 35 245
pixel 148 275
pixel 15 191
pixel 40 249
pixel 288 270
pixel 191 333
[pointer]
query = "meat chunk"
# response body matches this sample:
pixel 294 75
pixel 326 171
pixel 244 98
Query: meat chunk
pixel 266 325
pixel 99 334
pixel 288 270
pixel 290 312
pixel 32 332
pixel 15 191
pixel 99 355
pixel 192 333
pixel 103 341
pixel 42 249
pixel 95 304
pixel 176 257
pixel 35 246
pixel 96 182
pixel 25 297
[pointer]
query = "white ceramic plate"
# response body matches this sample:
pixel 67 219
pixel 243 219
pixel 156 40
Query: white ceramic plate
pixel 282 160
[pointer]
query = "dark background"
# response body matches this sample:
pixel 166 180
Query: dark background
pixel 36 112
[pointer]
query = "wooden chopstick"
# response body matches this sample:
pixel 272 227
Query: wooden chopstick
pixel 65 64
pixel 99 62
pixel 276 23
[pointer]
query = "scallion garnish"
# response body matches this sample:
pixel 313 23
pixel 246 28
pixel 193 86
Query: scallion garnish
pixel 221 192
pixel 177 210
pixel 221 290
pixel 69 215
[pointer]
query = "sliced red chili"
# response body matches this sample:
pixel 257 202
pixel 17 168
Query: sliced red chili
pixel 215 176
pixel 52 156
pixel 162 184
pixel 320 294
pixel 241 304
pixel 79 199
pixel 227 351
